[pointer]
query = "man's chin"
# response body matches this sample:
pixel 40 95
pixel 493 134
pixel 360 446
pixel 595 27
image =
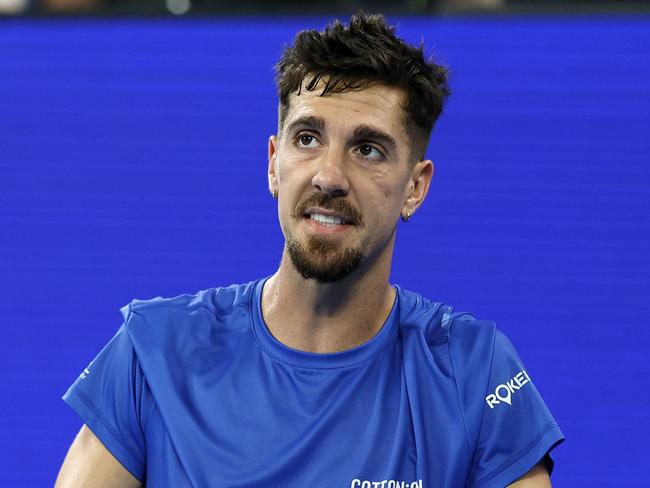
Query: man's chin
pixel 323 263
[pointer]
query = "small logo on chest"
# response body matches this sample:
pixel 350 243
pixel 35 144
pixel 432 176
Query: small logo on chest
pixel 357 483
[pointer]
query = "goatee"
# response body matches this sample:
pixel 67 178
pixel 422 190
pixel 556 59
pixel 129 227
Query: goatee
pixel 322 260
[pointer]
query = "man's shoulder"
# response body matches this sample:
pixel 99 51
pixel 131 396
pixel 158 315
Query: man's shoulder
pixel 209 302
pixel 440 321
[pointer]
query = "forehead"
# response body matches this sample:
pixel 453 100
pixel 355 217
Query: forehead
pixel 375 105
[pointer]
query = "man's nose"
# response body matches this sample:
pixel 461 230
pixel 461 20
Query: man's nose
pixel 331 177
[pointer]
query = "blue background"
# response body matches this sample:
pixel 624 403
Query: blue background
pixel 133 164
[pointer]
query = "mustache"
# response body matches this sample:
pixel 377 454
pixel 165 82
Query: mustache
pixel 338 205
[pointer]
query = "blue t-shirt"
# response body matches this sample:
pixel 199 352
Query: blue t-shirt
pixel 195 391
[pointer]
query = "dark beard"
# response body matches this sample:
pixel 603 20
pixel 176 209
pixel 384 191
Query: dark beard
pixel 323 261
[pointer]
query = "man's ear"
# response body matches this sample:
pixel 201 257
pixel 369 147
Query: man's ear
pixel 418 187
pixel 272 169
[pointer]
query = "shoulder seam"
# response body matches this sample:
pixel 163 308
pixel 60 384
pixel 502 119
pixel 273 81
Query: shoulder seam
pixel 458 396
pixel 489 375
pixel 148 304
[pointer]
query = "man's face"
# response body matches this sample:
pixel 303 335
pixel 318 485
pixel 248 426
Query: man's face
pixel 341 168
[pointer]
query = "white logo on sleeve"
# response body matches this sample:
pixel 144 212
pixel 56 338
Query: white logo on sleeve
pixel 86 371
pixel 505 391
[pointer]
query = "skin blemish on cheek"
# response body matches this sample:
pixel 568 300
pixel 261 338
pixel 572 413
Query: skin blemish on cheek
pixel 378 175
pixel 379 178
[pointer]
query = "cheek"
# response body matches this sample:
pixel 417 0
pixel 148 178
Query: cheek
pixel 284 217
pixel 391 197
pixel 284 204
pixel 379 178
pixel 390 186
pixel 383 209
pixel 389 191
pixel 290 173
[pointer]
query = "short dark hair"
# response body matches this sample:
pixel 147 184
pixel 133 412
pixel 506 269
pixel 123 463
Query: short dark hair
pixel 365 52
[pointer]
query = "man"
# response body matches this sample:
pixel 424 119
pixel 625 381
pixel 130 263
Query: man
pixel 323 374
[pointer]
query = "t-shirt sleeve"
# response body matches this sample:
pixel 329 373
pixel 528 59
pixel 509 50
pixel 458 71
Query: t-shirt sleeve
pixel 517 431
pixel 109 396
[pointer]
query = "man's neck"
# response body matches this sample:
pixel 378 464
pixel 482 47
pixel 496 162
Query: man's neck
pixel 330 317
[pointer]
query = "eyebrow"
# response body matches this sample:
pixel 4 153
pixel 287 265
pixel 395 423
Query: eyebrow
pixel 306 122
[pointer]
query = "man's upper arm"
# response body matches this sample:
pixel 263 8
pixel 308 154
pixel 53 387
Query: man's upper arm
pixel 511 429
pixel 535 478
pixel 89 463
pixel 112 398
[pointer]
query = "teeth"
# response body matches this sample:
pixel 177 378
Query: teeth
pixel 326 219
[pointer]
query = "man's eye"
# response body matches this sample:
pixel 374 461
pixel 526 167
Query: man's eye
pixel 307 141
pixel 369 152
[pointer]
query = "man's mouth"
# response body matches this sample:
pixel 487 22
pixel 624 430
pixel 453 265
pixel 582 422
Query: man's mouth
pixel 328 219
pixel 326 212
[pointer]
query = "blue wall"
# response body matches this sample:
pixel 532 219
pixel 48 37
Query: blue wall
pixel 133 164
